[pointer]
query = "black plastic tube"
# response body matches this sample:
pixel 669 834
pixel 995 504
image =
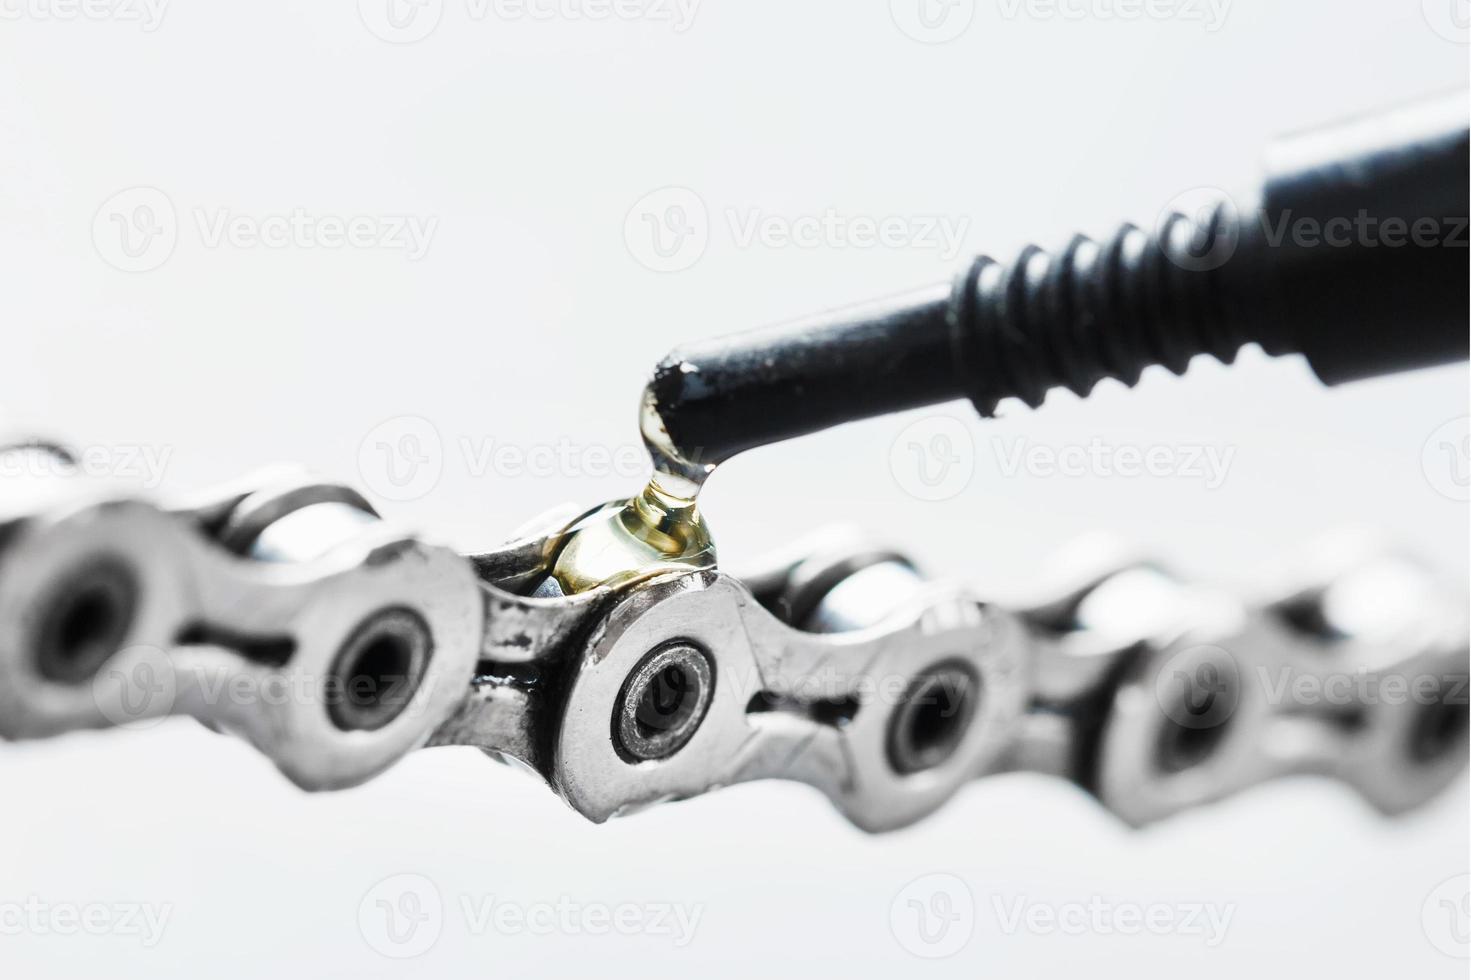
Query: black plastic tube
pixel 1354 254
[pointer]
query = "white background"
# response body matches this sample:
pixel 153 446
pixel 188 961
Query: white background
pixel 530 321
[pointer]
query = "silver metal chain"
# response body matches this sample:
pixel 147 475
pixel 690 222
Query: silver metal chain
pixel 286 612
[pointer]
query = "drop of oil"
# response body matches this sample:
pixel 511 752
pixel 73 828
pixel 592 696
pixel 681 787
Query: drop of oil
pixel 658 531
pixel 627 541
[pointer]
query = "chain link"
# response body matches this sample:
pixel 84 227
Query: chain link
pixel 283 610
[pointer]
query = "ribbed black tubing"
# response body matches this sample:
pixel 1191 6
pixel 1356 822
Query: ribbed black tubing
pixel 1096 311
pixel 1321 263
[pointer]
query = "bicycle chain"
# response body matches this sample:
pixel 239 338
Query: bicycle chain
pixel 287 612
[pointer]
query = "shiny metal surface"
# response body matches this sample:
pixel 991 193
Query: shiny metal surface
pixel 285 612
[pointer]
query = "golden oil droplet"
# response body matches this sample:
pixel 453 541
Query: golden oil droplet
pixel 675 476
pixel 626 541
pixel 656 532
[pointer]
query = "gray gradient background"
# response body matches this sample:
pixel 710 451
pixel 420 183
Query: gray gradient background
pixel 530 322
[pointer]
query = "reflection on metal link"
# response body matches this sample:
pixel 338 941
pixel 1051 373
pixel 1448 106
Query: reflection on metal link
pixel 286 612
pixel 118 611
